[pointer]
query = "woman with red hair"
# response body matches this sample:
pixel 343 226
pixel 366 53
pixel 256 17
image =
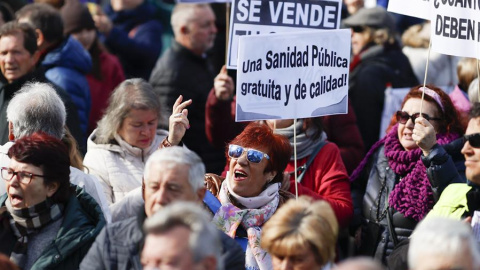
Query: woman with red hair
pixel 391 190
pixel 45 222
pixel 252 190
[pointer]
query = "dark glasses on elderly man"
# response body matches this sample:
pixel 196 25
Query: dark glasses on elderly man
pixel 254 156
pixel 473 139
pixel 358 29
pixel 402 117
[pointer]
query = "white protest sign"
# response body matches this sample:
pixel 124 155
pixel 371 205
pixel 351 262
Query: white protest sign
pixel 293 75
pixel 415 8
pixel 456 27
pixel 256 17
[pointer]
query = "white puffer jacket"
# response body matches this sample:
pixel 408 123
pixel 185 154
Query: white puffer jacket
pixel 118 165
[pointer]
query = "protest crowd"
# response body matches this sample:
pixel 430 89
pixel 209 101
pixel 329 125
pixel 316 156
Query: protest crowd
pixel 122 145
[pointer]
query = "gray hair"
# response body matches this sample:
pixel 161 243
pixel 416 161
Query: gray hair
pixel 473 91
pixel 130 94
pixel 37 107
pixel 445 237
pixel 197 220
pixel 183 14
pixel 359 263
pixel 180 155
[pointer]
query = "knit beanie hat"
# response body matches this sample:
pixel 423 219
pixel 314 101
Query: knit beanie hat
pixel 76 17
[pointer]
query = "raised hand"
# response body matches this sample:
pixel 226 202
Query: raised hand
pixel 223 85
pixel 424 135
pixel 178 122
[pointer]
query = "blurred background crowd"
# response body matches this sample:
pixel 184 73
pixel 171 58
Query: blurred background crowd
pixel 120 149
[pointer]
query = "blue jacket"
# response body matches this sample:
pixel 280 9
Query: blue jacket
pixel 66 66
pixel 136 39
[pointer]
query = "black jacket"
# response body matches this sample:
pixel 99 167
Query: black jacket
pixel 119 245
pixel 180 72
pixel 8 90
pixel 370 73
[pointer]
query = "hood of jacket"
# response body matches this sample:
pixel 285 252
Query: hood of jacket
pixel 120 146
pixel 69 54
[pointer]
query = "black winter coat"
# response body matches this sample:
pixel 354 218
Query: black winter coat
pixel 370 73
pixel 180 72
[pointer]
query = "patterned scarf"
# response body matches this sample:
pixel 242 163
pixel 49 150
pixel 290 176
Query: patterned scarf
pixel 412 196
pixel 25 221
pixel 229 217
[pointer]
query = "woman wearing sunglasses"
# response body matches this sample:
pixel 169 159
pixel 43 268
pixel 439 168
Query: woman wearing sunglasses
pixel 390 188
pixel 251 192
pixel 46 223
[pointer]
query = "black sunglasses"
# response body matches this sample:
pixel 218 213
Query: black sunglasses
pixel 473 139
pixel 402 117
pixel 358 29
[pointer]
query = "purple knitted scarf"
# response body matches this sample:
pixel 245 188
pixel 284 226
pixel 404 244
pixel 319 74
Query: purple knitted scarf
pixel 412 196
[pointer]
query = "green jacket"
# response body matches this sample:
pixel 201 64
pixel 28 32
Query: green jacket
pixel 82 222
pixel 452 202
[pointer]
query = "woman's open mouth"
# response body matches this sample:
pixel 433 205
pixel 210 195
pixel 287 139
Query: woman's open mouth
pixel 16 199
pixel 239 175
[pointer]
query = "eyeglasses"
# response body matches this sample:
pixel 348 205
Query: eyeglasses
pixel 402 117
pixel 473 139
pixel 23 177
pixel 358 29
pixel 254 156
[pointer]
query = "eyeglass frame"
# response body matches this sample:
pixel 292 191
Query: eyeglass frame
pixel 246 149
pixel 20 179
pixel 472 136
pixel 414 116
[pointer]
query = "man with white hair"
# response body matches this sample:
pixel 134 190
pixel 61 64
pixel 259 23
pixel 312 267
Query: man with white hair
pixel 359 263
pixel 443 243
pixel 185 69
pixel 171 174
pixel 37 108
pixel 181 236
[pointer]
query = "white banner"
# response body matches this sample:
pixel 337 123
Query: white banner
pixel 293 75
pixel 456 27
pixel 415 8
pixel 256 17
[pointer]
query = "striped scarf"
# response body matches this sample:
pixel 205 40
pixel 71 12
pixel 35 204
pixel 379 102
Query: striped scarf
pixel 25 221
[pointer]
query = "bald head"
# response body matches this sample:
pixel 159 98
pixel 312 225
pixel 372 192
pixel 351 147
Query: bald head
pixel 194 26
